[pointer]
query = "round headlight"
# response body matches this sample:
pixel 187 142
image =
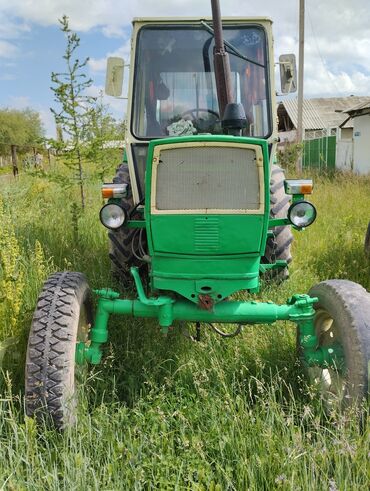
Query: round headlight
pixel 302 214
pixel 112 216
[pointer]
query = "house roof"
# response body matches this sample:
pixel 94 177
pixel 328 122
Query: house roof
pixel 359 108
pixel 311 118
pixel 320 113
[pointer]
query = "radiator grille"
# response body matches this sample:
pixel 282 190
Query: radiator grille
pixel 207 177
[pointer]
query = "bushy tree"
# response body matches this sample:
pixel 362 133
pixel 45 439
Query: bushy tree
pixel 104 136
pixel 22 128
pixel 19 130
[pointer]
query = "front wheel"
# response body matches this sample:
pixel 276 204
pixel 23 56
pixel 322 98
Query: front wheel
pixel 342 322
pixel 62 318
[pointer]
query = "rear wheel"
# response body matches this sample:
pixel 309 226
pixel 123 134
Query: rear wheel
pixel 342 321
pixel 278 246
pixel 122 240
pixel 62 318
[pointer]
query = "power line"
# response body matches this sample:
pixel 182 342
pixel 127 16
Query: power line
pixel 330 76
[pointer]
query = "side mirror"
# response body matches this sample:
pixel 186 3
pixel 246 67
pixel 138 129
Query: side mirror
pixel 114 76
pixel 288 73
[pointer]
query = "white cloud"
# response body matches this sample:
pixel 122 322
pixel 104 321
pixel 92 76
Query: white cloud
pixel 99 64
pixel 117 105
pixel 48 122
pixel 337 32
pixel 10 29
pixel 112 31
pixel 8 50
pixel 113 14
pixel 20 102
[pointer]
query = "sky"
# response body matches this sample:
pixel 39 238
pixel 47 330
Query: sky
pixel 337 45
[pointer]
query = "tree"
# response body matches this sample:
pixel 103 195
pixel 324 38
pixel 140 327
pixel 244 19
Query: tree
pixel 103 137
pixel 75 107
pixel 19 130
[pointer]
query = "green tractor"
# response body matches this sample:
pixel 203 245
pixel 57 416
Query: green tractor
pixel 197 212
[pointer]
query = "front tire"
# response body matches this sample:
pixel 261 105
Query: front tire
pixel 62 318
pixel 342 318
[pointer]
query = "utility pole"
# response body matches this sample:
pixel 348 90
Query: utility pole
pixel 300 82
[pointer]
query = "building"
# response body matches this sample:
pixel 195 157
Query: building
pixel 360 117
pixel 331 140
pixel 321 117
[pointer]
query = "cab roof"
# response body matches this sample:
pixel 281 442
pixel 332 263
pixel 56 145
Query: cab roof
pixel 193 20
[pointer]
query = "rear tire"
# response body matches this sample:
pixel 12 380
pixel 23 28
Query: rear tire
pixel 121 240
pixel 62 318
pixel 278 246
pixel 342 317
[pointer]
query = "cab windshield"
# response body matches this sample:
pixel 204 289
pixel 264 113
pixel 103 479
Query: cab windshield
pixel 175 89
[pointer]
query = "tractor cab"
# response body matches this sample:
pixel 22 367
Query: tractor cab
pixel 172 86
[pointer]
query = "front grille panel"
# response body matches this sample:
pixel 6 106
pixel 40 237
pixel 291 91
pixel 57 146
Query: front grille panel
pixel 206 234
pixel 207 178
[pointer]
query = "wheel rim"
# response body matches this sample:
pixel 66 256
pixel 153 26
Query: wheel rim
pixel 330 381
pixel 78 373
pixel 83 330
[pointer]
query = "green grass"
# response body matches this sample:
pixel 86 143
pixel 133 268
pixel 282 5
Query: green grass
pixel 5 170
pixel 166 413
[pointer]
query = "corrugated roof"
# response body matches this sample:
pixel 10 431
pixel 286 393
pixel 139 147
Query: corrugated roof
pixel 311 118
pixel 320 113
pixel 359 107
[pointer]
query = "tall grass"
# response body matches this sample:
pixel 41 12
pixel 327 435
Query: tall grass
pixel 166 413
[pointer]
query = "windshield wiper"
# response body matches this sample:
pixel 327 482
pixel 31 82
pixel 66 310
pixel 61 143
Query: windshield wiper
pixel 233 51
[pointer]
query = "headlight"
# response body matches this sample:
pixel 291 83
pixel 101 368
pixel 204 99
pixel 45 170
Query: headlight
pixel 112 216
pixel 302 214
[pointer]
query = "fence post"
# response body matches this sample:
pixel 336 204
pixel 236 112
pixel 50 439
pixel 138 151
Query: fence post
pixel 14 160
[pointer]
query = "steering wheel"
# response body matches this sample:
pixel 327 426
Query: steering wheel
pixel 205 124
pixel 193 112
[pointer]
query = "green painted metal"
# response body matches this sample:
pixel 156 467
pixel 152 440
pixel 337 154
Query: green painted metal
pixel 299 309
pixel 277 222
pixel 279 263
pixel 136 224
pixel 218 277
pixel 320 153
pixel 314 355
pixel 182 263
pixel 236 234
pixel 297 197
pixel 107 293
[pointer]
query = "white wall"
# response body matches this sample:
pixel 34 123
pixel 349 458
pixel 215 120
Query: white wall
pixel 344 157
pixel 361 139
